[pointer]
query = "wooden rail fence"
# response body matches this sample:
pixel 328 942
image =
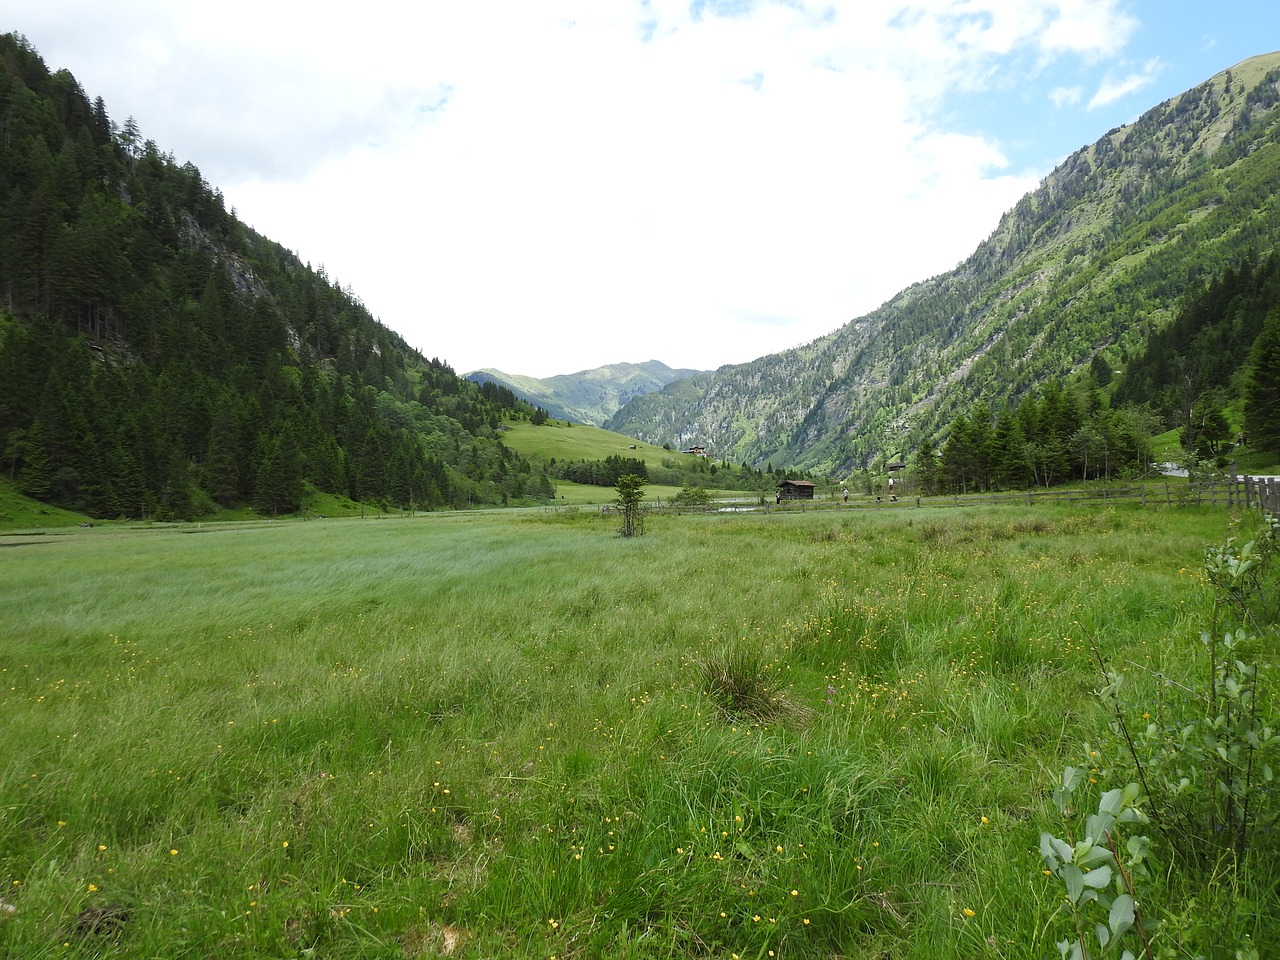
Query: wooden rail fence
pixel 1239 492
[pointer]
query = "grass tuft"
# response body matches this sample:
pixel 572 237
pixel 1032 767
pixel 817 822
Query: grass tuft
pixel 742 687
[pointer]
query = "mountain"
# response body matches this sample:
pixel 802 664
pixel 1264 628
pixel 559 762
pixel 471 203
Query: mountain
pixel 1091 263
pixel 589 396
pixel 159 359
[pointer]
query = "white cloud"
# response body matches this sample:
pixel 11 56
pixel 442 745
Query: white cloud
pixel 1066 96
pixel 549 186
pixel 1093 29
pixel 1116 88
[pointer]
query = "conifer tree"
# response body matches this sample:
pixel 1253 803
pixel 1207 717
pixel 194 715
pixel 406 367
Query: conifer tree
pixel 36 477
pixel 630 493
pixel 1262 391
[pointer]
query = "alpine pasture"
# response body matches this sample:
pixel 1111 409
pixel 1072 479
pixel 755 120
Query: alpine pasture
pixel 794 735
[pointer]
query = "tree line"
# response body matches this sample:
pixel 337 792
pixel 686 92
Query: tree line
pixel 160 359
pixel 676 471
pixel 1053 436
pixel 1213 373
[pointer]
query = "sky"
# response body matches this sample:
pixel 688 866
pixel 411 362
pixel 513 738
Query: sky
pixel 547 186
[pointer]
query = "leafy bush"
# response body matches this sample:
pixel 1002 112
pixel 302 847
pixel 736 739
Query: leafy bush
pixel 692 497
pixel 1206 761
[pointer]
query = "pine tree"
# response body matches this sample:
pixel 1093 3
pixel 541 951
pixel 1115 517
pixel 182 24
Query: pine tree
pixel 927 467
pixel 222 460
pixel 630 493
pixel 1262 390
pixel 36 477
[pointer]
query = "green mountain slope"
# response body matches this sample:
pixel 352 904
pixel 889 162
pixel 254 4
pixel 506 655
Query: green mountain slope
pixel 1092 261
pixel 589 396
pixel 160 359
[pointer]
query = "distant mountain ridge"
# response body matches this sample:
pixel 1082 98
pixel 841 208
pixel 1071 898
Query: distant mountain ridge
pixel 1093 261
pixel 588 396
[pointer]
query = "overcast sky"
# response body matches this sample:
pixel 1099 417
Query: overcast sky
pixel 545 186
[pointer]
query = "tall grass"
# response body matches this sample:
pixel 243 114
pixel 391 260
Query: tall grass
pixel 493 735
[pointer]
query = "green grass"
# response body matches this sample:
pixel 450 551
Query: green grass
pixel 18 512
pixel 582 493
pixel 580 442
pixel 495 734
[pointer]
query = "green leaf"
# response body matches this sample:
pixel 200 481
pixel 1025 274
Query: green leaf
pixel 1138 848
pixel 1121 917
pixel 1111 802
pixel 1098 877
pixel 1055 851
pixel 1096 826
pixel 1087 854
pixel 1102 933
pixel 1074 880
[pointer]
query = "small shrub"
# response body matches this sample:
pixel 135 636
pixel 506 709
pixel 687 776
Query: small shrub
pixel 692 497
pixel 1101 901
pixel 1206 767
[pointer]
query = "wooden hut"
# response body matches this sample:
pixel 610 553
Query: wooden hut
pixel 796 490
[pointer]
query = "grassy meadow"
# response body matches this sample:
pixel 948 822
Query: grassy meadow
pixel 517 734
pixel 564 441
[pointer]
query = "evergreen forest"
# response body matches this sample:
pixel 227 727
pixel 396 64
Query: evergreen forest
pixel 1213 374
pixel 159 359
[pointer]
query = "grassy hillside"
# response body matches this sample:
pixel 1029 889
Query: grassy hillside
pixel 669 471
pixel 18 512
pixel 519 735
pixel 565 441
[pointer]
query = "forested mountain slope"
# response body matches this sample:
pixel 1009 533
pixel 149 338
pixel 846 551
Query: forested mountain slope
pixel 588 396
pixel 1095 260
pixel 157 357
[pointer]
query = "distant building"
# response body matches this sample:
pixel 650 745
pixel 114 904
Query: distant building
pixel 697 451
pixel 796 490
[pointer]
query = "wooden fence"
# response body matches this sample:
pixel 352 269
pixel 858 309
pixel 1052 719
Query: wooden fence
pixel 1240 492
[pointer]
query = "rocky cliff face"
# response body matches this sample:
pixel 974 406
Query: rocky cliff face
pixel 1090 261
